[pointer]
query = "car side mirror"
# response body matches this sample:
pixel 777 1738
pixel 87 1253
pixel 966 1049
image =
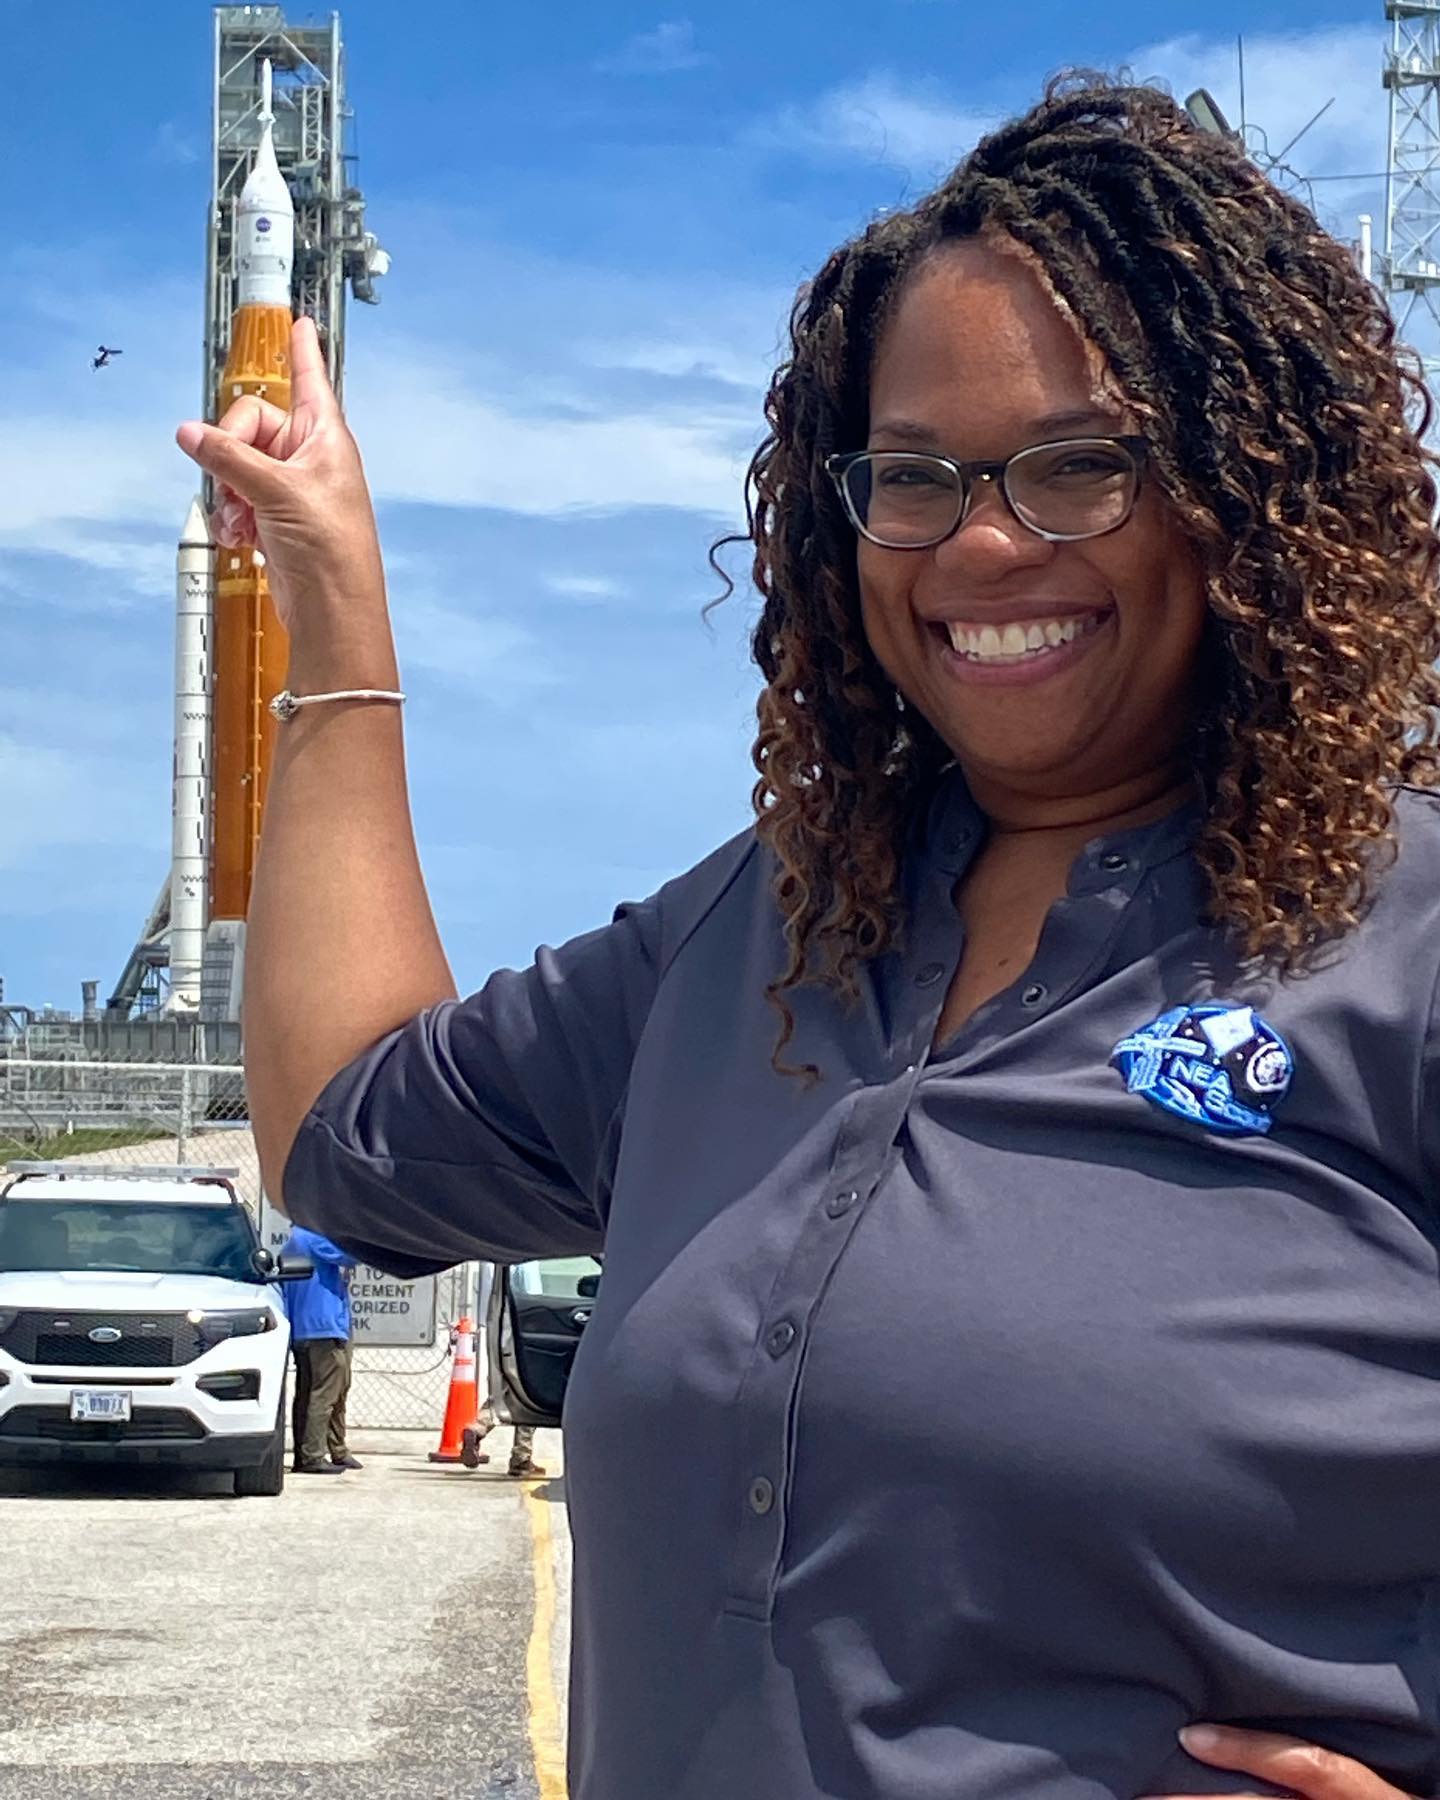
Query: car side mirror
pixel 293 1268
pixel 587 1287
pixel 263 1263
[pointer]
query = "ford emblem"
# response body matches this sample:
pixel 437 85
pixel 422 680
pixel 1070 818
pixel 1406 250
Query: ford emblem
pixel 104 1334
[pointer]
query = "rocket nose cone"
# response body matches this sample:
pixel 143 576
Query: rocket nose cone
pixel 265 187
pixel 195 530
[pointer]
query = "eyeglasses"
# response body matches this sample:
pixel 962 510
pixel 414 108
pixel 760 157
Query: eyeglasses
pixel 909 500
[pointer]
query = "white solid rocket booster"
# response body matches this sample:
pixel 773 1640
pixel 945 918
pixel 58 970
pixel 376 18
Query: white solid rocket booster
pixel 265 220
pixel 190 810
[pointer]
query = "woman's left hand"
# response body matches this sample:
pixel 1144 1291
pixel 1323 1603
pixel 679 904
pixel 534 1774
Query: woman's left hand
pixel 1287 1762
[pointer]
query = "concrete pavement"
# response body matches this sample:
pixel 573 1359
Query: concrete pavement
pixel 369 1634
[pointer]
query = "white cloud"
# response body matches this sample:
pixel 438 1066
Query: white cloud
pixel 666 50
pixel 55 471
pixel 467 648
pixel 173 144
pixel 881 119
pixel 677 358
pixel 535 329
pixel 925 128
pixel 91 574
pixel 84 451
pixel 1288 78
pixel 476 450
pixel 583 587
pixel 57 796
pixel 513 426
pixel 96 724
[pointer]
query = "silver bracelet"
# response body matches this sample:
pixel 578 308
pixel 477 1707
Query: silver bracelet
pixel 285 705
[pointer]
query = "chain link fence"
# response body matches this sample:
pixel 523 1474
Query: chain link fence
pixel 130 1113
pixel 140 1115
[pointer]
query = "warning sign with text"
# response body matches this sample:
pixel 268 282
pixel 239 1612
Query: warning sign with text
pixel 384 1312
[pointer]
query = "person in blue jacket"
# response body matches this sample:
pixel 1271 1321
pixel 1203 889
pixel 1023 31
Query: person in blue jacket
pixel 319 1312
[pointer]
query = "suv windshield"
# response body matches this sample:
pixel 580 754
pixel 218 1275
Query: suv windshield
pixel 149 1236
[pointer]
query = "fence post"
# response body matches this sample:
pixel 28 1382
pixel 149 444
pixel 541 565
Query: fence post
pixel 182 1131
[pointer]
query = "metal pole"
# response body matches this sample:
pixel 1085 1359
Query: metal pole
pixel 1390 159
pixel 183 1132
pixel 335 212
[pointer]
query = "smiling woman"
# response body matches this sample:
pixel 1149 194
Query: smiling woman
pixel 978 345
pixel 1015 1160
pixel 1265 620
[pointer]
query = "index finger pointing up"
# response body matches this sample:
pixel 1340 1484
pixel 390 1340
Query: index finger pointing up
pixel 309 377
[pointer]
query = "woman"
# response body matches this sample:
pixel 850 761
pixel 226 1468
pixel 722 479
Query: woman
pixel 1046 1080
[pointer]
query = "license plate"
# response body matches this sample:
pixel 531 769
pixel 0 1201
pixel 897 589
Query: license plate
pixel 100 1403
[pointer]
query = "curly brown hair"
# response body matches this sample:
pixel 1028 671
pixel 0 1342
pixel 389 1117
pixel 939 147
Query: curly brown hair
pixel 1285 429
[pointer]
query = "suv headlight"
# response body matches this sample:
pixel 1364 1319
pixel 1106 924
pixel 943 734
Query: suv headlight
pixel 215 1327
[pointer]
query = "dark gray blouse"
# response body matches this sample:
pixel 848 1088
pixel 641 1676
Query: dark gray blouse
pixel 962 1425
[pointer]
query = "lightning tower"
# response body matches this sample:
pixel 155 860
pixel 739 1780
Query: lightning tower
pixel 279 147
pixel 1409 268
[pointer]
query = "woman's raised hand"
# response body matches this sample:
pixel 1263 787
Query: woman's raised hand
pixel 292 484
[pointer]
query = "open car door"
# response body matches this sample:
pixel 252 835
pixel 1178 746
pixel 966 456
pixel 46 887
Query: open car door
pixel 536 1316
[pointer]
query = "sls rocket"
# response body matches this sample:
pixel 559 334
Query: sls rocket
pixel 250 650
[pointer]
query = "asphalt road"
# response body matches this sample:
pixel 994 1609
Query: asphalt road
pixel 371 1635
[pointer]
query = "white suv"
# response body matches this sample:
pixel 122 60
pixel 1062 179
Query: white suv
pixel 140 1322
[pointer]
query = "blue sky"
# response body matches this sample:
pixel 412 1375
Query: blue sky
pixel 598 217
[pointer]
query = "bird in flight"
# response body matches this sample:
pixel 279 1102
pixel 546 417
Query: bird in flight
pixel 104 356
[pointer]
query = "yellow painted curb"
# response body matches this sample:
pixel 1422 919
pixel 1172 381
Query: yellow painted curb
pixel 547 1736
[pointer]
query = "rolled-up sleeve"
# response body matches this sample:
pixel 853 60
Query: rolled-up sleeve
pixel 485 1127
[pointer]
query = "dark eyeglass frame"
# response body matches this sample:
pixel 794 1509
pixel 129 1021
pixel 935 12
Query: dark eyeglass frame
pixel 838 466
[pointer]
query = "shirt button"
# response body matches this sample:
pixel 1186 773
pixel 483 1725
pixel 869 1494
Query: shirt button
pixel 839 1204
pixel 1114 861
pixel 930 974
pixel 781 1337
pixel 761 1496
pixel 1033 994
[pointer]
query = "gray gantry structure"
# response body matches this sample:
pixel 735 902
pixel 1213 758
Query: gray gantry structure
pixel 333 250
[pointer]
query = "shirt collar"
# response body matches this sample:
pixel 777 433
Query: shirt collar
pixel 951 827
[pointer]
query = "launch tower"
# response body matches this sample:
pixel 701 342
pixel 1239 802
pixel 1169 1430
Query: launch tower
pixel 333 249
pixel 188 959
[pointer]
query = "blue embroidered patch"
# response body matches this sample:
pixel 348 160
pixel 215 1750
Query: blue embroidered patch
pixel 1221 1066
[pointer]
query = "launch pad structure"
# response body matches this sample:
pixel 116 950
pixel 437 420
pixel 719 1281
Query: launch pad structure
pixel 188 958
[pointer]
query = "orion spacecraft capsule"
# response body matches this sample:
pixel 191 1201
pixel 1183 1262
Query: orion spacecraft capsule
pixel 250 646
pixel 265 219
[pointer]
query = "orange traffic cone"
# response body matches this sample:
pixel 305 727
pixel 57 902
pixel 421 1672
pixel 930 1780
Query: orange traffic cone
pixel 462 1406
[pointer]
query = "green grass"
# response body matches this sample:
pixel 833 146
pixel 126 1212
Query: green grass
pixel 14 1148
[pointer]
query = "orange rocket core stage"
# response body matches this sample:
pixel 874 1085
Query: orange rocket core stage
pixel 250 646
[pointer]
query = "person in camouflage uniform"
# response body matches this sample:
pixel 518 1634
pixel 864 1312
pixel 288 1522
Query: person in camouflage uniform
pixel 522 1459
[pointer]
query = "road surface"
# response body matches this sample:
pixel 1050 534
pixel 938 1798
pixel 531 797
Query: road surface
pixel 396 1632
